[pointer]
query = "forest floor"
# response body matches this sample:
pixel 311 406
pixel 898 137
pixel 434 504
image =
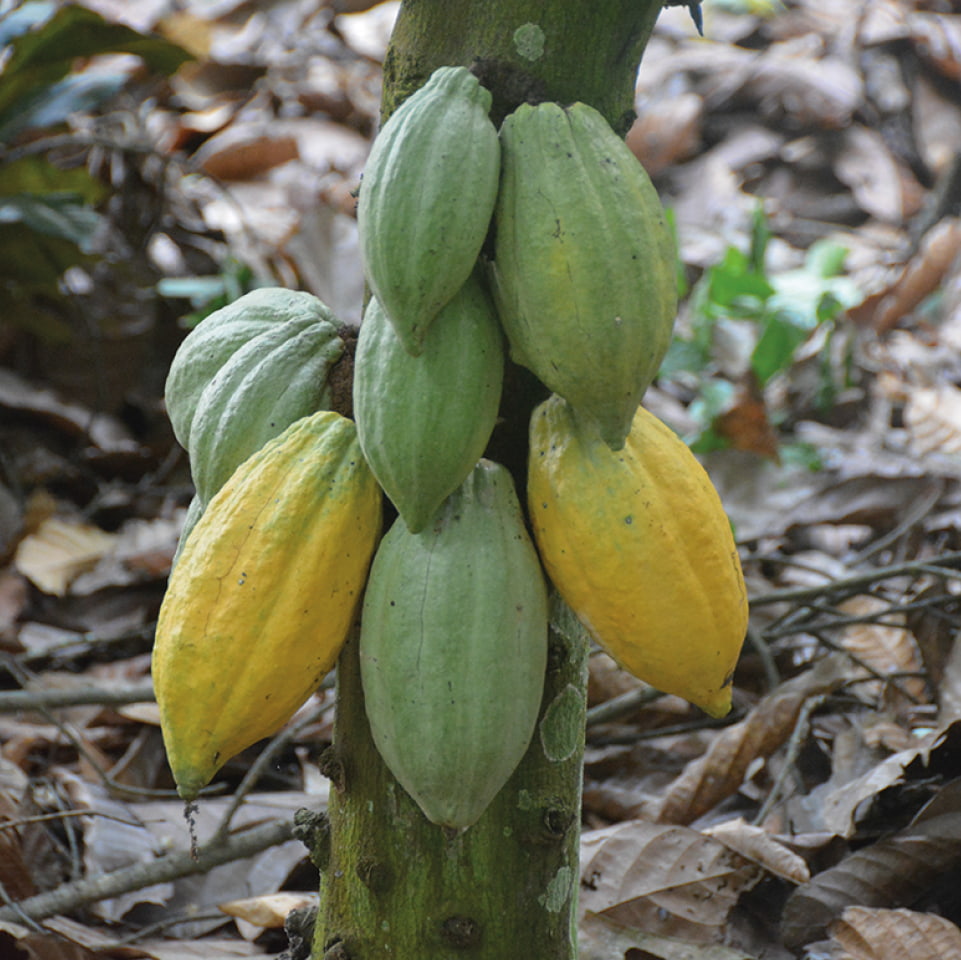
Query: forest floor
pixel 809 154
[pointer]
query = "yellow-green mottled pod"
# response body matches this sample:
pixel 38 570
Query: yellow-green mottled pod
pixel 453 648
pixel 638 545
pixel 426 199
pixel 263 595
pixel 584 269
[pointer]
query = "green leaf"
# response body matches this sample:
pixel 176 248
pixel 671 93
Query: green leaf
pixel 46 55
pixel 48 106
pixel 37 175
pixel 684 355
pixel 734 281
pixel 34 261
pixel 55 215
pixel 760 237
pixel 714 398
pixel 801 454
pixel 825 258
pixel 775 348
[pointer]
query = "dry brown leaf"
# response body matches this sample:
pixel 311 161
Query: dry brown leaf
pixel 882 186
pixel 932 418
pixel 949 689
pixel 721 770
pixel 187 30
pixel 866 934
pixel 269 911
pixel 606 680
pixel 667 131
pixel 887 649
pixel 240 153
pixel 668 880
pixel 104 431
pixel 599 938
pixel 896 870
pixel 15 876
pixel 745 425
pixel 757 845
pixel 922 275
pixel 59 551
pixel 813 90
pixel 937 37
pixel 937 125
pixel 882 21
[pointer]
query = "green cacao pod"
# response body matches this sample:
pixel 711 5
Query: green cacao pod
pixel 245 374
pixel 584 269
pixel 453 649
pixel 263 595
pixel 638 545
pixel 213 342
pixel 427 198
pixel 423 422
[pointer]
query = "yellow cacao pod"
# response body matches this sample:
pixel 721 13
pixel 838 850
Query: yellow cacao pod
pixel 263 595
pixel 638 545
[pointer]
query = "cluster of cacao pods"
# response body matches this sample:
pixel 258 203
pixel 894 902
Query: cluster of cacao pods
pixel 548 235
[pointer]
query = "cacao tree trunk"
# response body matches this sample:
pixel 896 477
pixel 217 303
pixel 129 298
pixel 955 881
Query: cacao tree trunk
pixel 393 884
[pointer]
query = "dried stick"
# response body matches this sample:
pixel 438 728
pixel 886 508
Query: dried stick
pixel 70 896
pixel 12 701
pixel 936 566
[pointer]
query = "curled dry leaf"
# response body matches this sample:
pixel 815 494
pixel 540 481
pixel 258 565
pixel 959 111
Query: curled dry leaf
pixel 667 880
pixel 720 771
pixel 757 845
pixel 891 872
pixel 886 649
pixel 866 934
pixel 938 39
pixel 922 275
pixel 937 125
pixel 932 418
pixel 269 911
pixel 667 131
pixel 58 551
pixel 882 186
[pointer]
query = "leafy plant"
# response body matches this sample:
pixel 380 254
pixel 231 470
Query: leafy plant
pixel 781 311
pixel 48 215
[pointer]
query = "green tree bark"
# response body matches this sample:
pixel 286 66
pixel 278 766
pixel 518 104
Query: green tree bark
pixel 393 884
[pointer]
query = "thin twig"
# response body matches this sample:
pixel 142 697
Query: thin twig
pixel 24 676
pixel 706 723
pixel 855 581
pixel 885 678
pixel 918 510
pixel 791 754
pixel 257 768
pixel 13 701
pixel 771 673
pixel 71 896
pixel 621 705
pixel 60 815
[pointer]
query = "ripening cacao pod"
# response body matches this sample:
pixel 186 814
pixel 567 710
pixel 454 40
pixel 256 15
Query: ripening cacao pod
pixel 424 421
pixel 453 648
pixel 584 264
pixel 426 199
pixel 638 545
pixel 244 374
pixel 263 595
